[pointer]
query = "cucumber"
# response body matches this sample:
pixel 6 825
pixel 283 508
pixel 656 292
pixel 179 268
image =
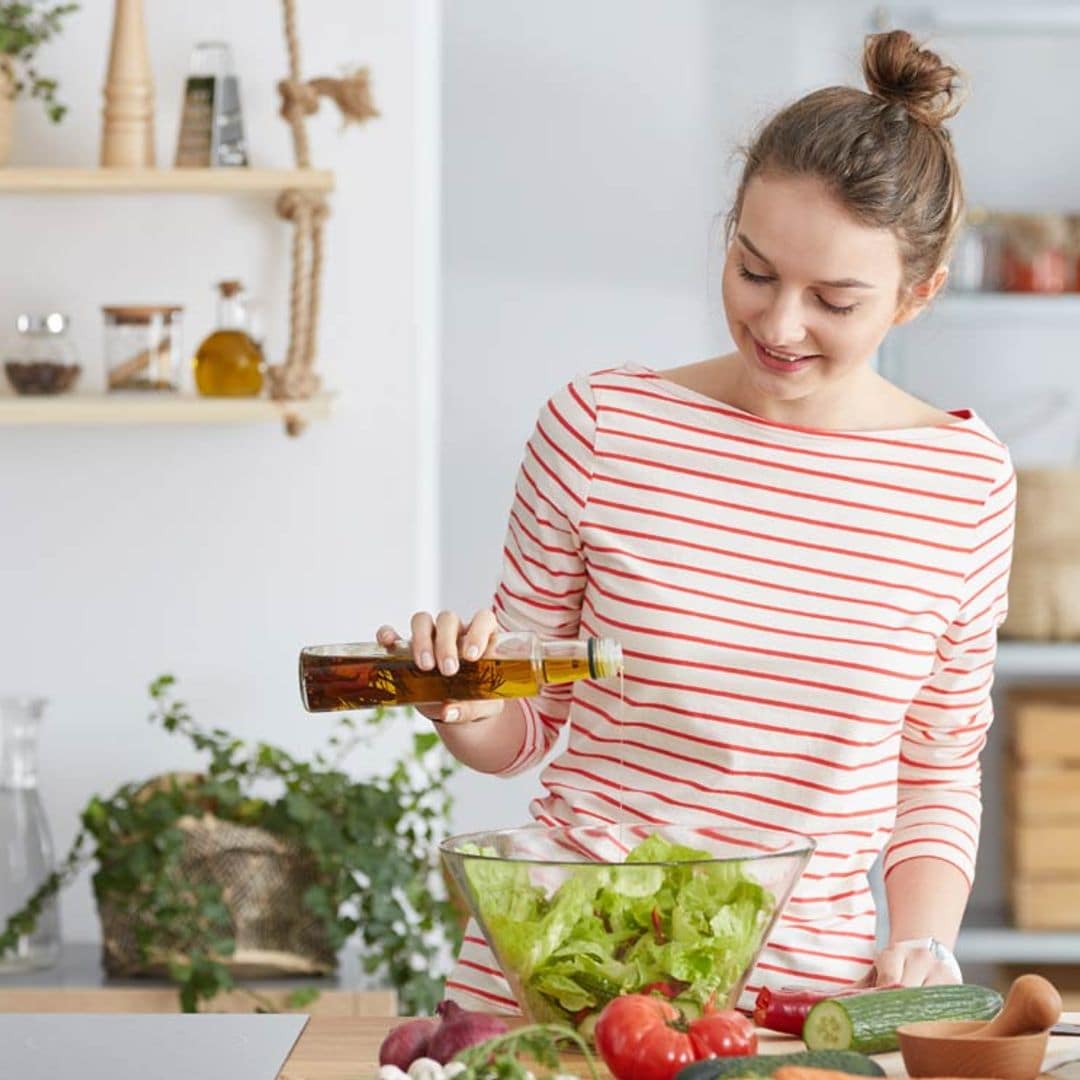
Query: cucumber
pixel 764 1065
pixel 868 1022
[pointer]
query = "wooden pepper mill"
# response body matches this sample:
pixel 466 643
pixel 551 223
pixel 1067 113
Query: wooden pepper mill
pixel 127 136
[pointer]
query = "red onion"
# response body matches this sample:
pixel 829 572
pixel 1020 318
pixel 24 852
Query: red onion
pixel 461 1028
pixel 407 1042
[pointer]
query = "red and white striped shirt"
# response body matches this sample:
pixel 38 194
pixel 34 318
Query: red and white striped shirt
pixel 808 621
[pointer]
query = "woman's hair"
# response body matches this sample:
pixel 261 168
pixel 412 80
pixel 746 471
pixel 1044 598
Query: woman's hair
pixel 885 155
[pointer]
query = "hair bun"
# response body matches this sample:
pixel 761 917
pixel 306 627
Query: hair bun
pixel 900 71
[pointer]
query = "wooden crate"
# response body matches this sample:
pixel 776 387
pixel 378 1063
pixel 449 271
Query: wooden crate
pixel 1045 723
pixel 1043 805
pixel 1045 795
pixel 1046 905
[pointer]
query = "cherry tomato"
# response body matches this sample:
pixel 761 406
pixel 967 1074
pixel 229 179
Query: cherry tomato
pixel 646 1038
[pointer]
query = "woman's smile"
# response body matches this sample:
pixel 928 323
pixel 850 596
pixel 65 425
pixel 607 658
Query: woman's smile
pixel 784 363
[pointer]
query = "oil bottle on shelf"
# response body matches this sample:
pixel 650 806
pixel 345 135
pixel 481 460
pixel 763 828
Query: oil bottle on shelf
pixel 230 362
pixel 335 677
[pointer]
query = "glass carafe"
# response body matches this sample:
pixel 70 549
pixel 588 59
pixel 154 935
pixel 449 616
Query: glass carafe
pixel 229 363
pixel 26 852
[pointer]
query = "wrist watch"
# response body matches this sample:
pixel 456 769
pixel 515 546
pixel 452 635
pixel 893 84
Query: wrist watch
pixel 937 949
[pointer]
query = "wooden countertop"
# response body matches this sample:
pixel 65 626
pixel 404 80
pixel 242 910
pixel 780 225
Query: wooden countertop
pixel 347 1048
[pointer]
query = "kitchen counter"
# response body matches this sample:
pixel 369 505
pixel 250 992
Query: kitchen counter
pixel 346 1048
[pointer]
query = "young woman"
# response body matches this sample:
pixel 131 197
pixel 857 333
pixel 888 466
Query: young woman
pixel 806 566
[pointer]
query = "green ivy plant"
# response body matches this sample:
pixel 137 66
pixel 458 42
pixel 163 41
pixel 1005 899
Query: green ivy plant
pixel 23 28
pixel 373 843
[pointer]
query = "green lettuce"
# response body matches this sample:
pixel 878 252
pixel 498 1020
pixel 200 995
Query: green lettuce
pixel 615 929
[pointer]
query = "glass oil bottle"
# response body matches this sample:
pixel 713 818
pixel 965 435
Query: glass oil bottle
pixel 230 362
pixel 335 677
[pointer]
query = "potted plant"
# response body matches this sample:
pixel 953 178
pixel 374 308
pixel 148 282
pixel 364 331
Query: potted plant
pixel 24 26
pixel 267 862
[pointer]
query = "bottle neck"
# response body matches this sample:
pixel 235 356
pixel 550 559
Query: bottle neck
pixel 19 723
pixel 232 313
pixel 593 657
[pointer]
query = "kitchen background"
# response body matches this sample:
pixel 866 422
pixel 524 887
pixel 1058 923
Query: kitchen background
pixel 540 196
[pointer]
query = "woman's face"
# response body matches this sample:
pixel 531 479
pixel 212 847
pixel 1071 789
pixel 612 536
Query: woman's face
pixel 809 293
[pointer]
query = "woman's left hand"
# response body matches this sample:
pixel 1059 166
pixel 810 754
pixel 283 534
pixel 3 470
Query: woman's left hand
pixel 917 962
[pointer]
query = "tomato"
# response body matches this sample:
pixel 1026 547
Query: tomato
pixel 723 1033
pixel 646 1038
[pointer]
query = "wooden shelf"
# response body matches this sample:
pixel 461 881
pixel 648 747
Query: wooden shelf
pixel 1009 945
pixel 221 181
pixel 1006 305
pixel 155 408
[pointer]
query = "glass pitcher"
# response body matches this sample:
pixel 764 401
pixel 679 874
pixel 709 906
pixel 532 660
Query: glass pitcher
pixel 26 852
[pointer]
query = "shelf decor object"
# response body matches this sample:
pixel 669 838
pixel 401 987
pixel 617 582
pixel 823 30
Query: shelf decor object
pixel 308 210
pixel 127 133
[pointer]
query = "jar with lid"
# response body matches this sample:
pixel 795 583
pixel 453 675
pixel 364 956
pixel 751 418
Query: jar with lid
pixel 976 259
pixel 230 362
pixel 143 346
pixel 40 359
pixel 1036 258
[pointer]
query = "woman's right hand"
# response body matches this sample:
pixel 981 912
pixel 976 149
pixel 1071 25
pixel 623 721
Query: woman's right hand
pixel 443 641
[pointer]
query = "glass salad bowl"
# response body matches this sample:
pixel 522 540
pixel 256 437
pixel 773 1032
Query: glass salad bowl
pixel 577 916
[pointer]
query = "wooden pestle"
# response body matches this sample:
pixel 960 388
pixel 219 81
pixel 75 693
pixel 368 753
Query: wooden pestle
pixel 1032 1005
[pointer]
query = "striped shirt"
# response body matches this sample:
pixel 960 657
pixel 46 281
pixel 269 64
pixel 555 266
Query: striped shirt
pixel 808 621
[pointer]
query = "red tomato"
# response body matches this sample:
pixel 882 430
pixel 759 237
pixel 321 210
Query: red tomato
pixel 646 1038
pixel 724 1033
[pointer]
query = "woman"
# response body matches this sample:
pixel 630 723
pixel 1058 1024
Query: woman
pixel 806 566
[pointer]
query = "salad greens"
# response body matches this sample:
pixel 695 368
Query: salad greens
pixel 612 929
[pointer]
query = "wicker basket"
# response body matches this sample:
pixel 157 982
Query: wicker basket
pixel 263 880
pixel 1044 591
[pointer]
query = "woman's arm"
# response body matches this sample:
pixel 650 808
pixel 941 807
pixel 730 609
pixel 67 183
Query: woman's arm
pixel 926 899
pixel 930 858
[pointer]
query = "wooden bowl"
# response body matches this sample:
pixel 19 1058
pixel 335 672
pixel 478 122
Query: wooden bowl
pixel 945 1048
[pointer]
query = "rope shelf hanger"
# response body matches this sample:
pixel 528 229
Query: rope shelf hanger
pixel 296 379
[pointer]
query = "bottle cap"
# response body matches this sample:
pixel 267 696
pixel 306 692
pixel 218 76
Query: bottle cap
pixel 605 657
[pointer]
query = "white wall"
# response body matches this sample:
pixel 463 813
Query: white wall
pixel 215 553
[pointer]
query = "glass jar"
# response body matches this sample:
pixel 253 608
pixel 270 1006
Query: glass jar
pixel 40 359
pixel 26 851
pixel 967 269
pixel 1036 259
pixel 143 347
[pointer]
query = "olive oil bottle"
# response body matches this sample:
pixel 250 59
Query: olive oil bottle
pixel 230 362
pixel 336 677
